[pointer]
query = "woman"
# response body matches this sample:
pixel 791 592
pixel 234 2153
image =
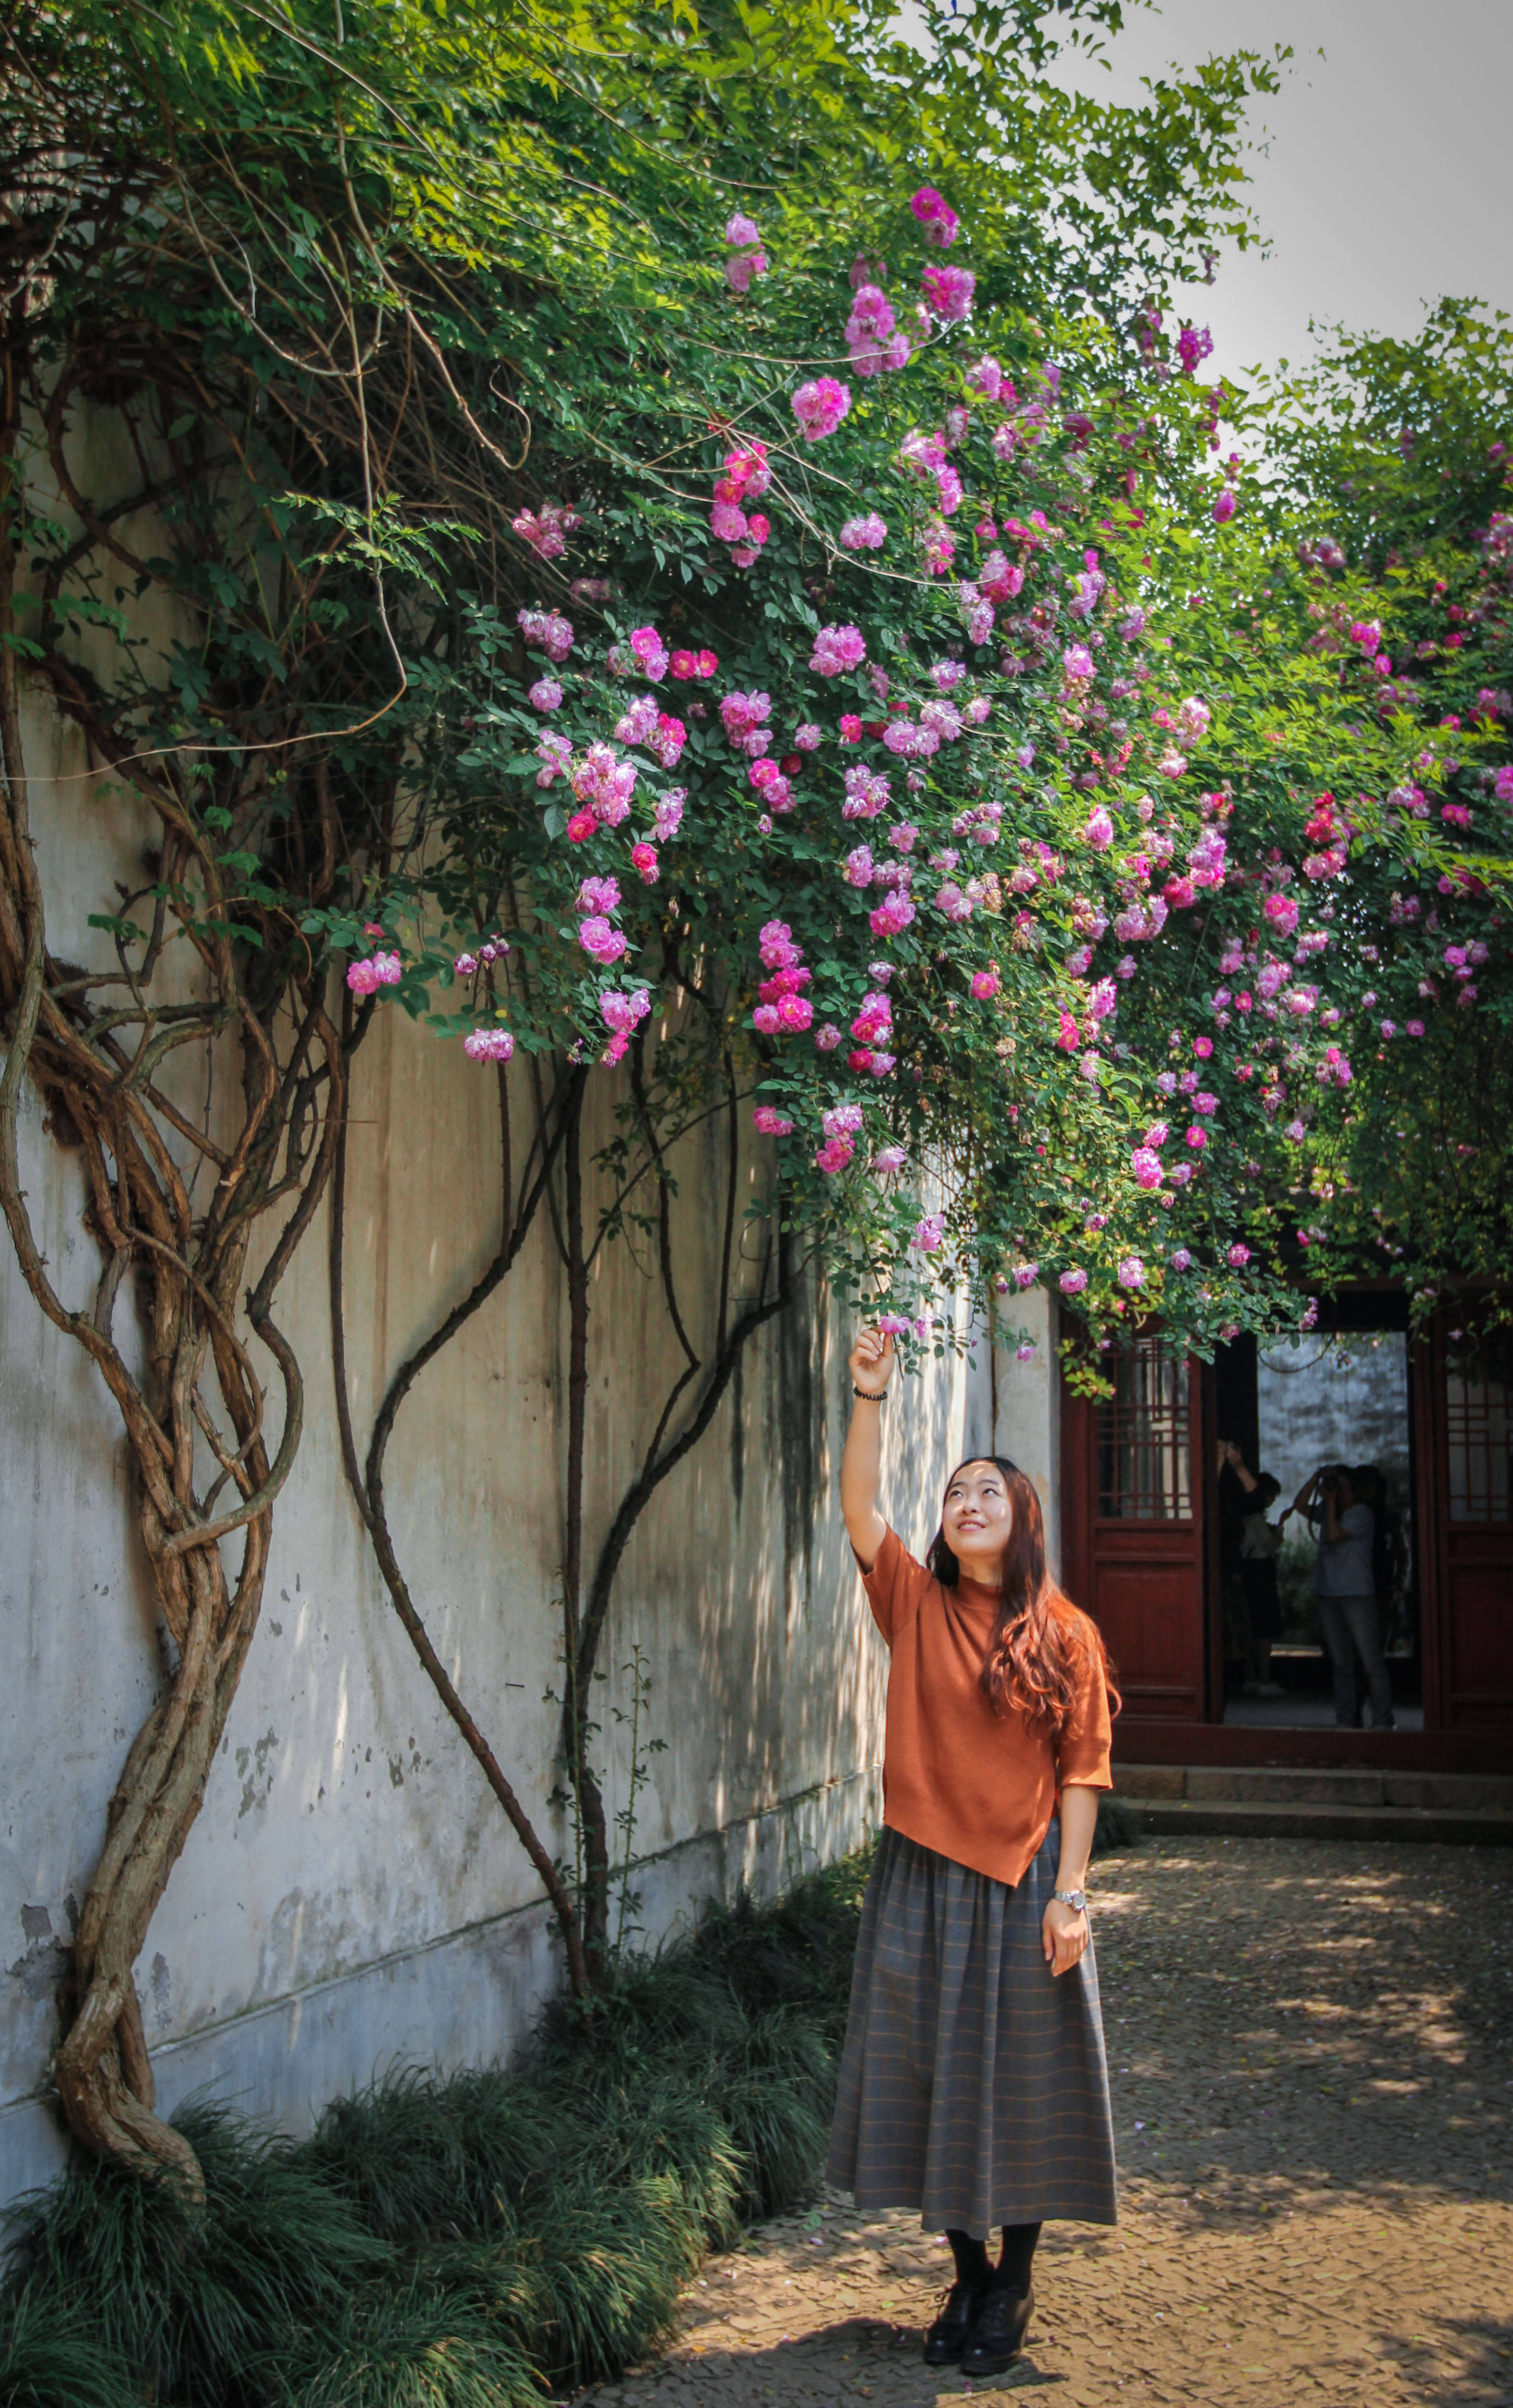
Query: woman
pixel 1345 1591
pixel 972 2085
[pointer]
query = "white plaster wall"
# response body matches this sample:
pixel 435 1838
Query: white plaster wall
pixel 351 1892
pixel 1016 1410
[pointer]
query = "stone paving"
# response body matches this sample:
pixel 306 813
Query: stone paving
pixel 1311 2047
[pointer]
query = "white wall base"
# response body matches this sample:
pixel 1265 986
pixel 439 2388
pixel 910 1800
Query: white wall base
pixel 470 1998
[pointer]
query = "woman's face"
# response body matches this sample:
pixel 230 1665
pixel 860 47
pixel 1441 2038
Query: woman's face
pixel 976 1519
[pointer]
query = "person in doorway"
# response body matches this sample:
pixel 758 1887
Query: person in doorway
pixel 1388 1564
pixel 1261 1543
pixel 1345 1591
pixel 972 2083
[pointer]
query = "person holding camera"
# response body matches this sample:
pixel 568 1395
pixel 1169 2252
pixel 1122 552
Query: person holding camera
pixel 1345 1591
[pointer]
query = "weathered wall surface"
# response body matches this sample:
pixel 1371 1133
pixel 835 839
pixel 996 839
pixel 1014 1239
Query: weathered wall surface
pixel 351 1892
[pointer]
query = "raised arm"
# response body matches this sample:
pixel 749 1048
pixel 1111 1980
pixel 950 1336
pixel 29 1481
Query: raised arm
pixel 1242 1471
pixel 871 1365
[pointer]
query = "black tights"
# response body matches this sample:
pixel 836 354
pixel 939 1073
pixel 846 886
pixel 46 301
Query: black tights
pixel 1012 2273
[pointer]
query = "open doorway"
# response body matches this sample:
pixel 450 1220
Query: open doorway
pixel 1316 1634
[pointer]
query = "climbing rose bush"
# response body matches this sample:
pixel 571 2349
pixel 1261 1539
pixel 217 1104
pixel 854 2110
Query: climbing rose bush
pixel 1160 856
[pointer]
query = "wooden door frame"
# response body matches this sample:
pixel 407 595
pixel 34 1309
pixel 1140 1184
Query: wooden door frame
pixel 1079 1516
pixel 1426 1383
pixel 1205 1488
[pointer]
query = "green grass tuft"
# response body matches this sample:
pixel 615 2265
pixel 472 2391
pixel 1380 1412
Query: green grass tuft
pixel 187 2293
pixel 52 2359
pixel 417 2346
pixel 420 2159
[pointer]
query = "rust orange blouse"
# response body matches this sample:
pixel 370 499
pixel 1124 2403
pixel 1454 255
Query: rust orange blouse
pixel 975 1785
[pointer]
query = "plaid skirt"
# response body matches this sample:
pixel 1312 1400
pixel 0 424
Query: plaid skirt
pixel 973 2083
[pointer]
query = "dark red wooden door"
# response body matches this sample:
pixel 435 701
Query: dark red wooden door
pixel 1132 1531
pixel 1467 1393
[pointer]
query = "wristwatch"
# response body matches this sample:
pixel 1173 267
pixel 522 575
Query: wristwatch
pixel 1075 1899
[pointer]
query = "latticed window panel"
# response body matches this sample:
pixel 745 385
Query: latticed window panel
pixel 1479 1428
pixel 1145 1438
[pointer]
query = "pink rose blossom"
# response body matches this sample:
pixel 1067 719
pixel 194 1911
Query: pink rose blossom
pixel 892 916
pixel 864 533
pixel 836 649
pixel 1099 830
pixel 948 293
pixel 599 941
pixel 380 969
pixel 621 1013
pixel 546 530
pixel 488 1044
pixel 556 754
pixel 819 407
pixel 546 631
pixel 937 216
pixel 1146 1167
pixel 650 651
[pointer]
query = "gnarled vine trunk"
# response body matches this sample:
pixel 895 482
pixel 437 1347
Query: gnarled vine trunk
pixel 197 1400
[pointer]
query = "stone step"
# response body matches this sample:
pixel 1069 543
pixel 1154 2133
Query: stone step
pixel 1282 1784
pixel 1307 1819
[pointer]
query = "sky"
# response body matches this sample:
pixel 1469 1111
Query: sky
pixel 1383 174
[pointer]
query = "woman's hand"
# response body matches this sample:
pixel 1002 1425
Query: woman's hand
pixel 1064 1935
pixel 871 1361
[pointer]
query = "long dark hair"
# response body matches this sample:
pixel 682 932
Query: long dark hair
pixel 1038 1644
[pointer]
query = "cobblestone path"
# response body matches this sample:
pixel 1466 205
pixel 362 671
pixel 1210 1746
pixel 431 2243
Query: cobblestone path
pixel 1311 2048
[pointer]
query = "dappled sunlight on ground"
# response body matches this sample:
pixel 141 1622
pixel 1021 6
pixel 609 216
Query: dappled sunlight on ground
pixel 1311 2050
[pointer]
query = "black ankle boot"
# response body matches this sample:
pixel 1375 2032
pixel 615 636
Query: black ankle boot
pixel 947 2336
pixel 999 2335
